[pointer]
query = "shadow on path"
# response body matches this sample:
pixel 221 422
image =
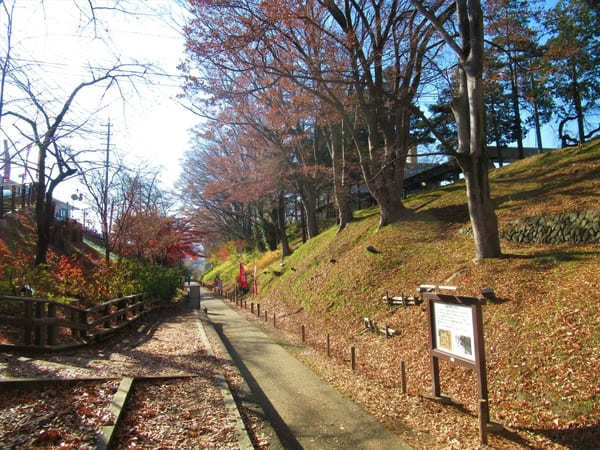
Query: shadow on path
pixel 283 432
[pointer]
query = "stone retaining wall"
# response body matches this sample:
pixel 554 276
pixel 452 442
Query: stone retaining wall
pixel 578 228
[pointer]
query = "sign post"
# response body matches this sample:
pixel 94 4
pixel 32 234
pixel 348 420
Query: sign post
pixel 456 335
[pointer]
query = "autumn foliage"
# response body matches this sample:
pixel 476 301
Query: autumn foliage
pixel 82 274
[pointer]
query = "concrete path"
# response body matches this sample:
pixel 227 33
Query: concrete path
pixel 305 411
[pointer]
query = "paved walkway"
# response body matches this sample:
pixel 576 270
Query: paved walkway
pixel 305 411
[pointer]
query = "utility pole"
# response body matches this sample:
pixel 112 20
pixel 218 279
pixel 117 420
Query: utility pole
pixel 105 205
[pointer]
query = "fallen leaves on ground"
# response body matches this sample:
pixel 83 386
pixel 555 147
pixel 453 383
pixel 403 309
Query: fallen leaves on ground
pixel 534 413
pixel 162 413
pixel 182 414
pixel 52 414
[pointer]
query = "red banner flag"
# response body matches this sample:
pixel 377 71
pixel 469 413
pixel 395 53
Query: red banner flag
pixel 255 283
pixel 243 279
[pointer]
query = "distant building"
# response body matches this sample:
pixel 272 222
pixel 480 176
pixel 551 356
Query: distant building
pixel 7 188
pixel 63 211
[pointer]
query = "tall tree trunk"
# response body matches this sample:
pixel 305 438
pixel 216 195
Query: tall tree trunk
pixel 341 181
pixel 41 211
pixel 578 109
pixel 106 242
pixel 285 246
pixel 474 162
pixel 536 117
pixel 481 208
pixel 385 178
pixel 516 109
pixel 271 229
pixel 386 188
pixel 303 225
pixel 388 196
pixel 468 109
pixel 44 222
pixel 538 127
pixel 497 139
pixel 309 206
pixel 341 192
pixel 256 231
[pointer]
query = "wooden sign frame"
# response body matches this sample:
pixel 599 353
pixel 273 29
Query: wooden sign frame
pixel 460 306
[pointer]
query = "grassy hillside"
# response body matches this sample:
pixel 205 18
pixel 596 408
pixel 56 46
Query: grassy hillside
pixel 542 339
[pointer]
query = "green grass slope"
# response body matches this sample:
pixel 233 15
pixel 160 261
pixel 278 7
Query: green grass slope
pixel 542 340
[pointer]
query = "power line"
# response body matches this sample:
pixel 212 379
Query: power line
pixel 83 66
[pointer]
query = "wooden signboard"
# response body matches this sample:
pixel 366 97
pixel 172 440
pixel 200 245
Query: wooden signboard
pixel 456 335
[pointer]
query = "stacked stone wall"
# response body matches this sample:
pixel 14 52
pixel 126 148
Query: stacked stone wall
pixel 576 228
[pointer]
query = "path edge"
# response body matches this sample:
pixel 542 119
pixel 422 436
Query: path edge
pixel 241 433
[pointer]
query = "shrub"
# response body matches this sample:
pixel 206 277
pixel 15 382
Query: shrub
pixel 160 281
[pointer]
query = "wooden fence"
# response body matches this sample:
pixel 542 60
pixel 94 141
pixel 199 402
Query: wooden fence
pixel 46 324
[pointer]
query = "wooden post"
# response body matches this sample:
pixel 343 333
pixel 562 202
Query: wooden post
pixel 39 314
pixel 73 318
pixel 387 331
pixel 266 316
pixel 480 356
pixel 274 324
pixel 245 304
pixel 252 307
pixel 303 334
pixel 258 310
pixel 123 315
pixel 483 414
pixel 51 328
pixel 83 321
pixel 353 357
pixel 13 200
pixel 403 376
pixel 106 313
pixel 328 346
pixel 435 376
pixel 28 326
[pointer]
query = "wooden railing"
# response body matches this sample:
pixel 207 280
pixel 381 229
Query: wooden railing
pixel 46 324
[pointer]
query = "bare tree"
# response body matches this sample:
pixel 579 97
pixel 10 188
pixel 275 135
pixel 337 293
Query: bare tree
pixel 100 183
pixel 9 12
pixel 48 125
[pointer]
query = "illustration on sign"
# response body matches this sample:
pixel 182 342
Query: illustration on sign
pixel 454 330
